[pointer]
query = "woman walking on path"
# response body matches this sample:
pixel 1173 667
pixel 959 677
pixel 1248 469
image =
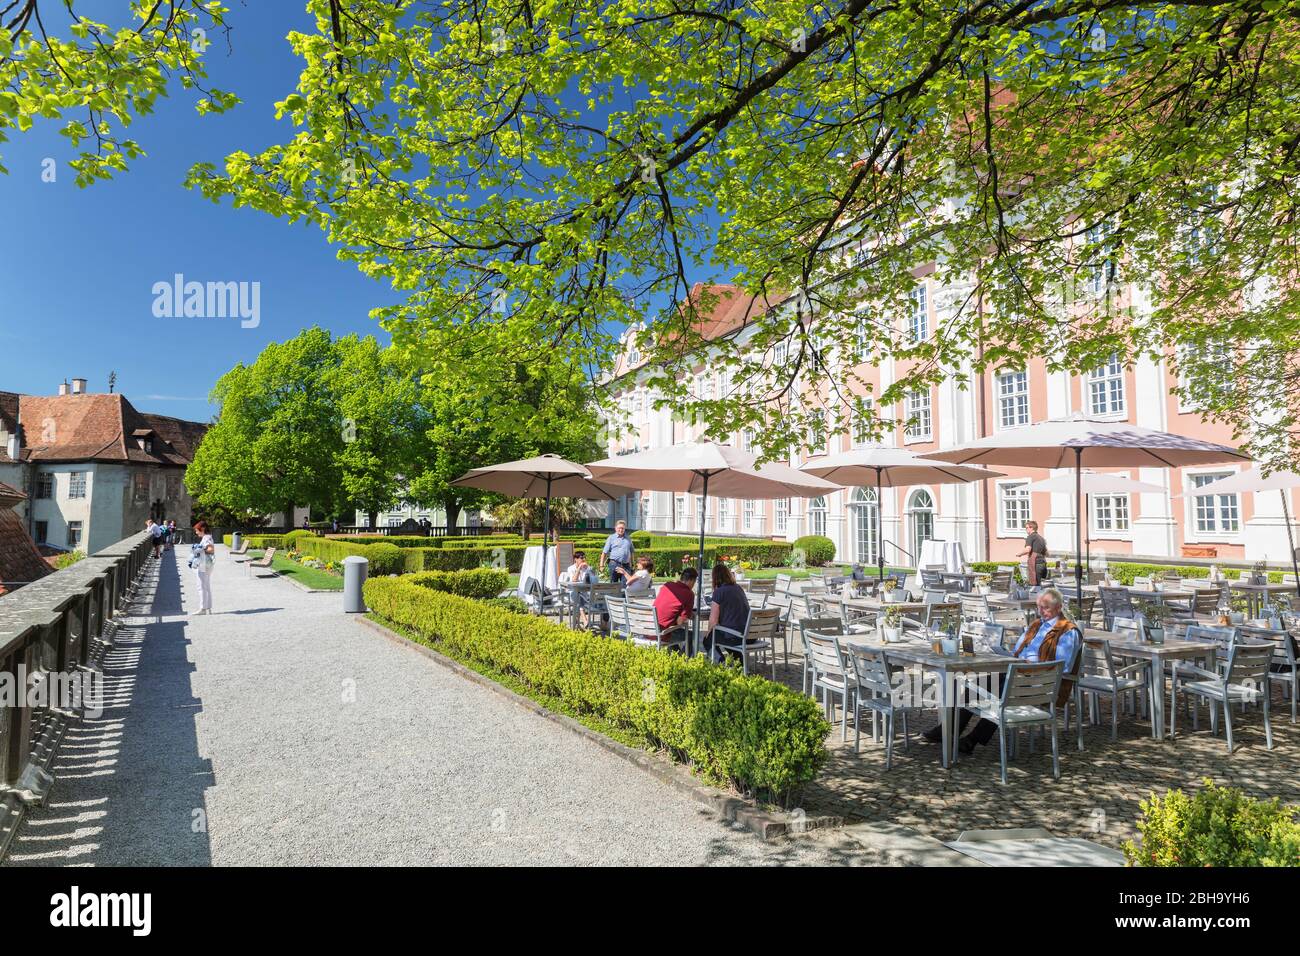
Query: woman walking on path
pixel 202 561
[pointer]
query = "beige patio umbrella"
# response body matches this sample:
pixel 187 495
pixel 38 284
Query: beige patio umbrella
pixel 544 476
pixel 1077 441
pixel 892 468
pixel 704 467
pixel 1254 480
pixel 1094 483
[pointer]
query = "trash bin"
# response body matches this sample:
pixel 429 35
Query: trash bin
pixel 235 540
pixel 355 570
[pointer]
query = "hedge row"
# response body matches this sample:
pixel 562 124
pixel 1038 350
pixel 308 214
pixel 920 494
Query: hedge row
pixel 640 539
pixel 477 583
pixel 1125 571
pixel 384 558
pixel 1219 826
pixel 758 735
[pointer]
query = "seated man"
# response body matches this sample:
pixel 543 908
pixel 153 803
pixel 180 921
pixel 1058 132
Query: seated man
pixel 1053 637
pixel 675 602
pixel 579 572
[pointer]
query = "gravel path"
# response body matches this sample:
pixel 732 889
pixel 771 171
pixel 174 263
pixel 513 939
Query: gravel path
pixel 280 731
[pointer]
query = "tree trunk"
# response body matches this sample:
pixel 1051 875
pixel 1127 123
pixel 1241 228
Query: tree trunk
pixel 373 517
pixel 451 508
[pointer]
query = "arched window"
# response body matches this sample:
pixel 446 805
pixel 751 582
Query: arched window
pixel 920 507
pixel 862 519
pixel 817 516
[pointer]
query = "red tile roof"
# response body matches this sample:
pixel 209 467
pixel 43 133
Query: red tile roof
pixel 20 562
pixel 101 427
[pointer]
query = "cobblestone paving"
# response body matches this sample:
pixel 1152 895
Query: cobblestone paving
pixel 1097 796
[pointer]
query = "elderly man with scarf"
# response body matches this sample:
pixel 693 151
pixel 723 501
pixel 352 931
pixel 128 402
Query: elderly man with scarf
pixel 1053 637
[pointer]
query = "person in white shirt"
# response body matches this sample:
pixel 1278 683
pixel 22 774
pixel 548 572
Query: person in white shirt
pixel 202 562
pixel 641 580
pixel 579 572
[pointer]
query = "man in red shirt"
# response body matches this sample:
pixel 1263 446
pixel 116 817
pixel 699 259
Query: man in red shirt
pixel 675 601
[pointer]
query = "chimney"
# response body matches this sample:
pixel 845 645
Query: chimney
pixel 63 387
pixel 78 386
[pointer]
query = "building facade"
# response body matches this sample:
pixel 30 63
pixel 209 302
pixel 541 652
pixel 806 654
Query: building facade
pixel 92 467
pixel 988 517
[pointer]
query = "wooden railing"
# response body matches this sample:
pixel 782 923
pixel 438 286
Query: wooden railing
pixel 46 632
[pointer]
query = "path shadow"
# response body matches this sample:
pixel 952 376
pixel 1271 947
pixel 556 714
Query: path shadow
pixel 130 784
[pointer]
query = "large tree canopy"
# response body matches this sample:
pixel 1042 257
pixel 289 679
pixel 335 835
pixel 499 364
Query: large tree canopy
pixel 58 63
pixel 535 174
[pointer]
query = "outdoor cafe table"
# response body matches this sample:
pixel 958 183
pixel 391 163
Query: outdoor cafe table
pixel 1173 649
pixel 948 668
pixel 1255 594
pixel 1162 595
pixel 965 578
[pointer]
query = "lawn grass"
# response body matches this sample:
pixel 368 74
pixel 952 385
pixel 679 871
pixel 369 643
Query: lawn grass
pixel 308 577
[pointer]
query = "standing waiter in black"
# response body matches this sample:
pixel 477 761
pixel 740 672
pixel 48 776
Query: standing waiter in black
pixel 1035 554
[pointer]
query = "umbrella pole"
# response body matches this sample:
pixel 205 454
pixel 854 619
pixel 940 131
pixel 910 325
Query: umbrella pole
pixel 880 533
pixel 546 536
pixel 1078 526
pixel 1290 537
pixel 699 581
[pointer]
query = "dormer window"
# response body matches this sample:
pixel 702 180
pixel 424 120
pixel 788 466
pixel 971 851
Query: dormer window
pixel 144 440
pixel 633 356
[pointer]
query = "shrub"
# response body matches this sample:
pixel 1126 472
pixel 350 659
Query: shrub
pixel 384 558
pixel 68 559
pixel 747 730
pixel 291 539
pixel 817 550
pixel 1219 826
pixel 479 583
pixel 511 604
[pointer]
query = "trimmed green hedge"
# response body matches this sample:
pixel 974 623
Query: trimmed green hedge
pixel 745 730
pixel 818 550
pixel 384 558
pixel 1219 826
pixel 477 583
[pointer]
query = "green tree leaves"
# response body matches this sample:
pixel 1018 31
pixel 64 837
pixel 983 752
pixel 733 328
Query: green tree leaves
pixel 537 176
pixel 101 75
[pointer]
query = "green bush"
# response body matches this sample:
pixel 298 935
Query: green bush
pixel 478 583
pixel 511 604
pixel 1219 826
pixel 68 559
pixel 817 550
pixel 758 735
pixel 384 558
pixel 290 540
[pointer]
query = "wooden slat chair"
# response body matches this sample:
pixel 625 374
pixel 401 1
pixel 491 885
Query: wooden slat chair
pixel 1099 675
pixel 784 603
pixel 242 549
pixel 597 612
pixel 1284 669
pixel 263 562
pixel 815 625
pixel 1080 610
pixel 877 690
pixel 830 674
pixel 759 637
pixel 1000 582
pixel 783 582
pixel 644 630
pixel 1028 700
pixel 1116 603
pixel 1246 680
pixel 617 609
pixel 975 609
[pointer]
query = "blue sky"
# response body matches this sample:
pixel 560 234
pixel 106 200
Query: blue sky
pixel 77 266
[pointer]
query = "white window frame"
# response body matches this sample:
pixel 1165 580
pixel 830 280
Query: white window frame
pixel 780 515
pixel 680 512
pixel 918 314
pixel 749 514
pixel 76 493
pixel 1192 529
pixel 79 529
pixel 1106 376
pixel 1101 275
pixel 923 428
pixel 1016 401
pixel 817 516
pixel 1119 510
pixel 1006 530
pixel 825 447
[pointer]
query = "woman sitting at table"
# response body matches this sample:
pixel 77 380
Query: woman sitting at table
pixel 730 609
pixel 640 580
